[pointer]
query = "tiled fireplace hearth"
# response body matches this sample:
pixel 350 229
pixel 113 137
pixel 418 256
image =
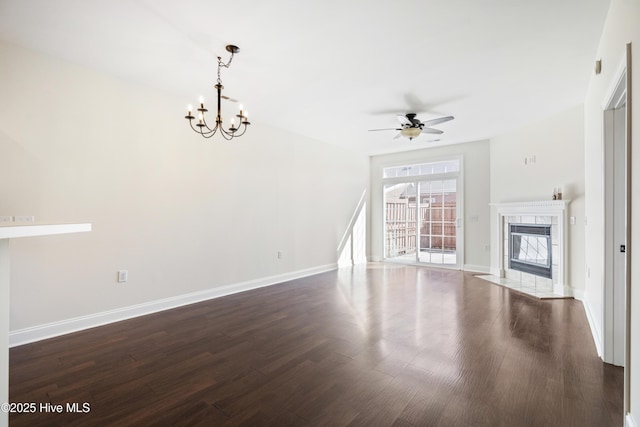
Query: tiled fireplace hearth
pixel 534 259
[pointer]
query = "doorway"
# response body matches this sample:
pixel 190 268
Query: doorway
pixel 615 221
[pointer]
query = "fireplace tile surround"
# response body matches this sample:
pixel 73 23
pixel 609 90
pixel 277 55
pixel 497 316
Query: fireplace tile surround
pixel 552 212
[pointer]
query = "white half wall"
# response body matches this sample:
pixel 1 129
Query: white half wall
pixel 475 157
pixel 182 214
pixel 553 150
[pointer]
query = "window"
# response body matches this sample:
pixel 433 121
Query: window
pixel 434 168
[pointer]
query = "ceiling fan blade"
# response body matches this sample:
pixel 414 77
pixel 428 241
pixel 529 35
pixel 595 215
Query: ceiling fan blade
pixel 397 136
pixel 431 130
pixel 228 99
pixel 432 140
pixel 387 112
pixel 375 130
pixel 434 122
pixel 404 120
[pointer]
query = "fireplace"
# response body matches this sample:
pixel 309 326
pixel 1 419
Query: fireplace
pixel 530 249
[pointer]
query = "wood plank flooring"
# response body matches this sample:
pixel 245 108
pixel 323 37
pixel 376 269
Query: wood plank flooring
pixel 375 345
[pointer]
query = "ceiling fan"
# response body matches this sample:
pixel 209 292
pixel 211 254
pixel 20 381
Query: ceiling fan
pixel 411 127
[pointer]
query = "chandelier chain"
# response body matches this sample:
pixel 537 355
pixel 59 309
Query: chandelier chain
pixel 222 64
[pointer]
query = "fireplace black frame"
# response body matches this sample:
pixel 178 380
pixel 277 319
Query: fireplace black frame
pixel 537 230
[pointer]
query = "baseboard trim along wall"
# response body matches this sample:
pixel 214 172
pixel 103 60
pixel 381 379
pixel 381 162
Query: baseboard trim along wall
pixel 595 332
pixel 576 293
pixel 629 421
pixel 50 330
pixel 477 269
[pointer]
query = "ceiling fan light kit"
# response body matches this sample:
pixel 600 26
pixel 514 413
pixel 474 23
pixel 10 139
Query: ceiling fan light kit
pixel 411 132
pixel 201 126
pixel 411 127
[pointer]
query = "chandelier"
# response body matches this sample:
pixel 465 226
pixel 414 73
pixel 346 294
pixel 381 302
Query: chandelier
pixel 201 125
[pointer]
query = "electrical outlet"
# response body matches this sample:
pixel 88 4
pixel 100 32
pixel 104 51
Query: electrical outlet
pixel 24 218
pixel 123 276
pixel 6 218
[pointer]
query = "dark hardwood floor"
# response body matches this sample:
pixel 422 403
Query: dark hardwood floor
pixel 381 344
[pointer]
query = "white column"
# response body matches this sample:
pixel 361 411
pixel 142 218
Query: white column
pixel 4 328
pixel 500 246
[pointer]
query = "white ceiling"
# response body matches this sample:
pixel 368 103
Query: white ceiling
pixel 334 69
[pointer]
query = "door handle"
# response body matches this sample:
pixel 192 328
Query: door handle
pixel 623 248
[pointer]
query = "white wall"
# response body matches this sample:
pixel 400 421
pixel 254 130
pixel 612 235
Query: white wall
pixel 622 26
pixel 180 213
pixel 476 197
pixel 557 144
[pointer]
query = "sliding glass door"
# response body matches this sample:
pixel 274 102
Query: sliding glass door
pixel 421 214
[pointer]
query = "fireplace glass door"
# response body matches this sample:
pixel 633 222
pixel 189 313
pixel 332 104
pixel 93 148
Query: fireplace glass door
pixel 530 249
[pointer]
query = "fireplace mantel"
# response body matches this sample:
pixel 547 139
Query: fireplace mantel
pixel 556 209
pixel 541 207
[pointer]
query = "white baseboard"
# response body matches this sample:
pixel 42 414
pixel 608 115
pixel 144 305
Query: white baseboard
pixel 595 331
pixel 576 293
pixel 559 288
pixel 54 329
pixel 476 268
pixel 629 421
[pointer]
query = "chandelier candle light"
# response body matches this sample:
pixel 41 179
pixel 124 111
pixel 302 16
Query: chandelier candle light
pixel 201 126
